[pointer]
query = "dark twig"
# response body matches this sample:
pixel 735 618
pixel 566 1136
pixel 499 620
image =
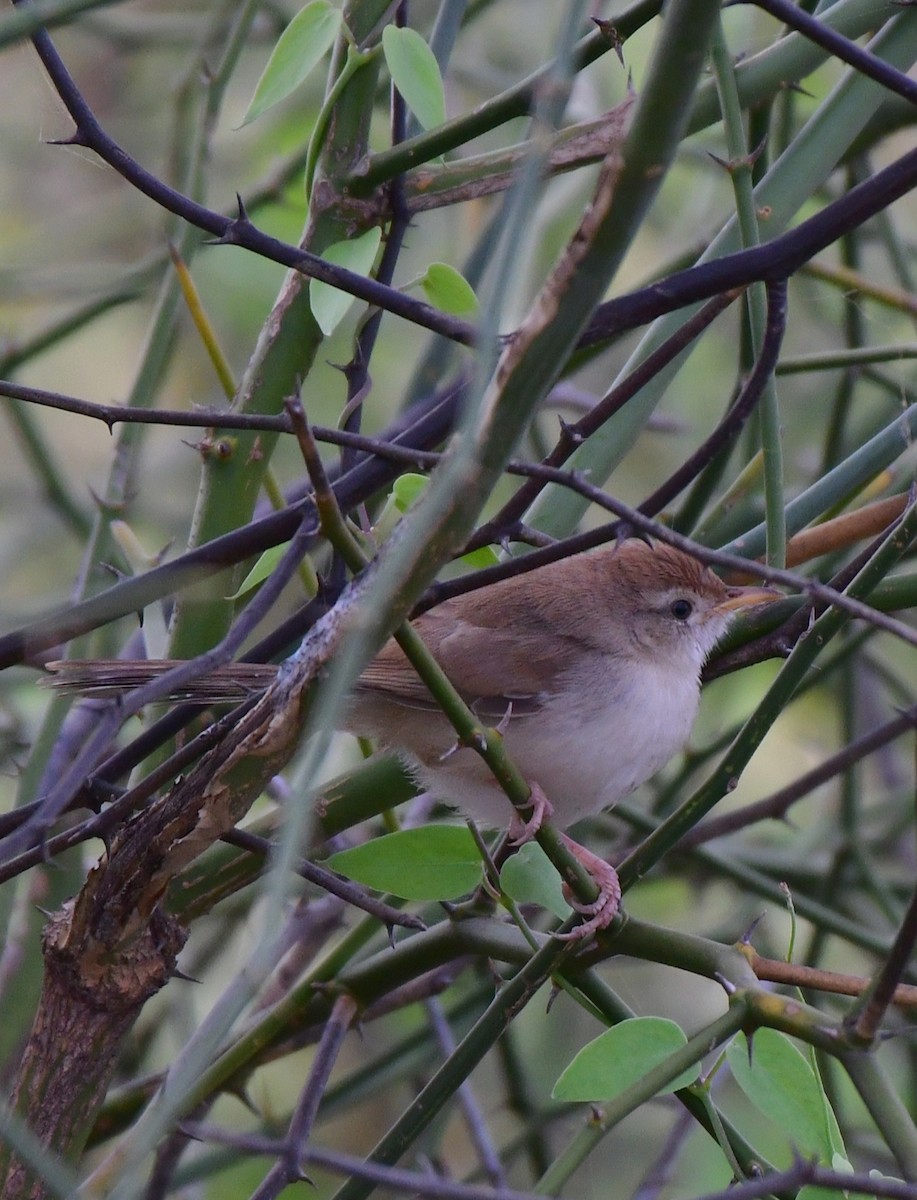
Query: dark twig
pixel 131 595
pixel 34 829
pixel 474 1117
pixel 292 1150
pixel 631 520
pixel 409 1183
pixel 732 424
pixel 773 260
pixel 865 1019
pixel 231 231
pixel 392 1179
pixel 838 46
pixel 356 371
pixel 572 436
pixel 776 806
pixel 103 824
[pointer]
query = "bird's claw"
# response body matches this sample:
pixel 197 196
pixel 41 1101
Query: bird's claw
pixel 520 831
pixel 601 911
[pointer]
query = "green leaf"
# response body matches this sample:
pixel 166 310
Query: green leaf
pixel 330 304
pixel 435 862
pixel 448 290
pixel 529 877
pixel 300 48
pixel 415 73
pixel 260 571
pixel 486 556
pixel 781 1083
pixel 620 1057
pixel 407 488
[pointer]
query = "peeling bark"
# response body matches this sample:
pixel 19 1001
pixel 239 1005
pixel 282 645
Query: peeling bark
pixel 88 1003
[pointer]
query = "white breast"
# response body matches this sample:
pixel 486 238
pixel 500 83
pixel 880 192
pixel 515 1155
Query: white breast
pixel 623 725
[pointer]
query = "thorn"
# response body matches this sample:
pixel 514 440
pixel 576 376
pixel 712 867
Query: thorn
pixel 241 1094
pixel 755 154
pixel 726 984
pixel 505 719
pixel 119 575
pixel 447 754
pixel 570 432
pixel 611 35
pixel 746 937
pixel 241 210
pixel 75 139
pixel 731 165
pixel 177 974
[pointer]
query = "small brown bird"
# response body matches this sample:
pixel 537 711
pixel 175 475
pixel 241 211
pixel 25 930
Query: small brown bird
pixel 590 666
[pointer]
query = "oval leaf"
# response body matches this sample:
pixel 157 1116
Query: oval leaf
pixel 415 73
pixel 330 304
pixel 486 556
pixel 529 877
pixel 781 1083
pixel 620 1057
pixel 435 862
pixel 260 571
pixel 299 49
pixel 448 290
pixel 407 488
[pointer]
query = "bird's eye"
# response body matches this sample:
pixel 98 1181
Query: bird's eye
pixel 681 609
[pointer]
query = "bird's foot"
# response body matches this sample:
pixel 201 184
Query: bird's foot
pixel 601 911
pixel 521 831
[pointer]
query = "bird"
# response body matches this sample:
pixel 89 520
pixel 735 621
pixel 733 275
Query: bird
pixel 589 666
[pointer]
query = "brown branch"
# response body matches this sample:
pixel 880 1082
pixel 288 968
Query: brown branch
pixel 773 970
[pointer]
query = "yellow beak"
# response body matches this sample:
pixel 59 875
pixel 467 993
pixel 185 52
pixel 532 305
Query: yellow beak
pixel 747 597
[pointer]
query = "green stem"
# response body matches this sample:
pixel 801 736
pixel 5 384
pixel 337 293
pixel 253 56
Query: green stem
pixel 354 61
pixel 892 1118
pixel 515 102
pixel 507 1003
pixel 768 413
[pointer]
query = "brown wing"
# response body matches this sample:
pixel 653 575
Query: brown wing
pixel 491 668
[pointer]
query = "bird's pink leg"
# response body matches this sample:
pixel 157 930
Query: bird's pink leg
pixel 521 831
pixel 603 910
